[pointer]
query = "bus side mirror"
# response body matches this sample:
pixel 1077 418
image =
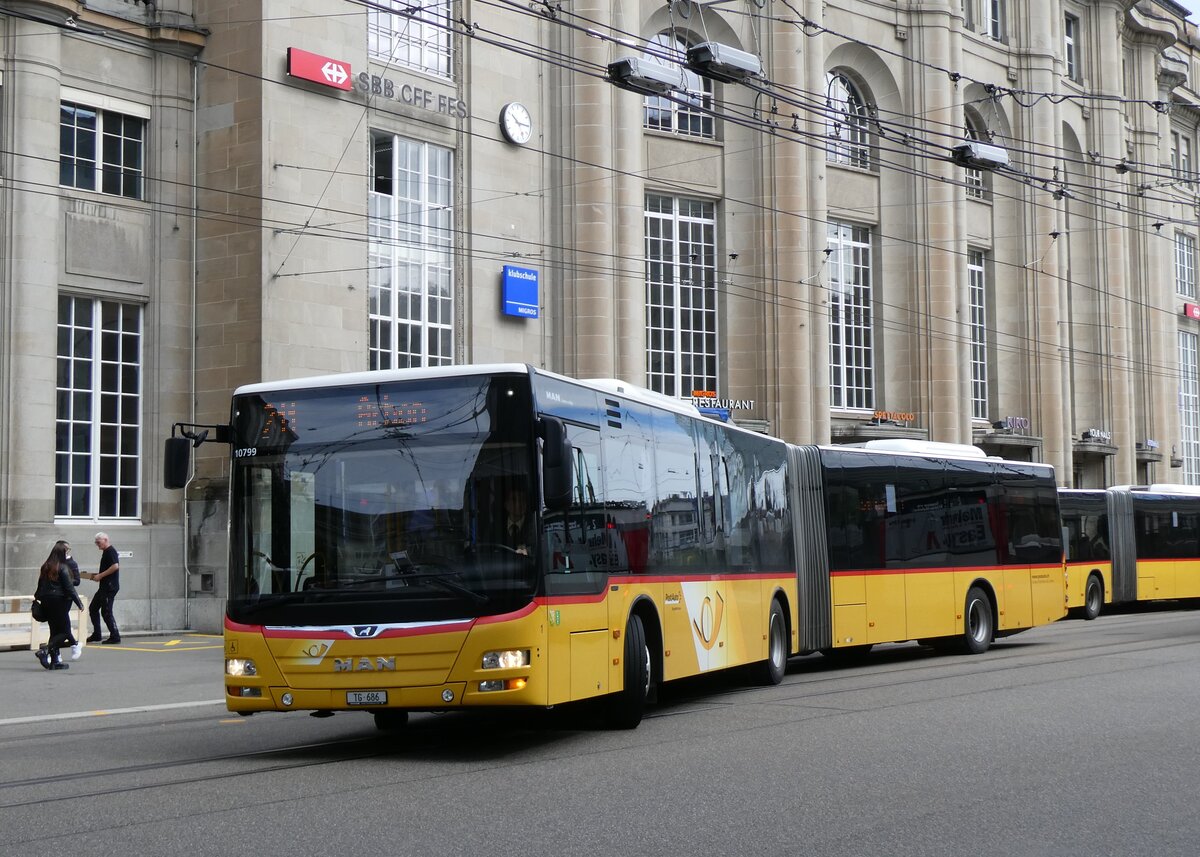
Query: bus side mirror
pixel 177 459
pixel 557 461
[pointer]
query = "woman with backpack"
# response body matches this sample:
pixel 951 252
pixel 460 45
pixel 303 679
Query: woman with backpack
pixel 56 592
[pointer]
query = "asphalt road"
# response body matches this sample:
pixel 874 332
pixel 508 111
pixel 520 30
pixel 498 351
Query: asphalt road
pixel 1075 739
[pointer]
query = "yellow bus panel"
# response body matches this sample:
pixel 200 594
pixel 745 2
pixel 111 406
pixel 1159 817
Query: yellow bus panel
pixel 887 618
pixel 1187 578
pixel 1015 607
pixel 932 604
pixel 589 664
pixel 849 625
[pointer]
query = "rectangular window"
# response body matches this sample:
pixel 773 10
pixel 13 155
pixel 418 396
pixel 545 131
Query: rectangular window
pixel 686 114
pixel 976 187
pixel 1181 156
pixel 968 12
pixel 101 150
pixel 98 409
pixel 977 287
pixel 412 35
pixel 1071 46
pixel 851 344
pixel 1185 265
pixel 995 19
pixel 410 254
pixel 681 295
pixel 1189 406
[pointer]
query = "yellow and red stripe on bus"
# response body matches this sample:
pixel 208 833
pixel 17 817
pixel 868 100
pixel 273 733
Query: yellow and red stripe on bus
pixel 891 605
pixel 1159 579
pixel 705 622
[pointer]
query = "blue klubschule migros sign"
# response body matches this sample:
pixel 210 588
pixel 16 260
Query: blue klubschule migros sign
pixel 519 292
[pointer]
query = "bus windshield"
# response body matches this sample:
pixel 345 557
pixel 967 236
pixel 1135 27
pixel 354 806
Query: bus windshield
pixel 383 503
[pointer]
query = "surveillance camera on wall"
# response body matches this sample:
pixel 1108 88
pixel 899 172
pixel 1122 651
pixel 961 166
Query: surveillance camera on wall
pixel 979 155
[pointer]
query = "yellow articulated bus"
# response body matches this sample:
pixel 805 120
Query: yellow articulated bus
pixel 438 539
pixel 1129 544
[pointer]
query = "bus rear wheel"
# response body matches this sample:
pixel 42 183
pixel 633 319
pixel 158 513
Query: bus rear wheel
pixel 624 709
pixel 1093 598
pixel 978 624
pixel 772 670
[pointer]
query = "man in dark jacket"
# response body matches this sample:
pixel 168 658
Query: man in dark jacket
pixel 110 585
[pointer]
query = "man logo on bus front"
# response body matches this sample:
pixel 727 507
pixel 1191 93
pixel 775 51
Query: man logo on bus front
pixel 366 630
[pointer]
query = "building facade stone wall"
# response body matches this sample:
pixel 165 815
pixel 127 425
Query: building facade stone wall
pixel 252 255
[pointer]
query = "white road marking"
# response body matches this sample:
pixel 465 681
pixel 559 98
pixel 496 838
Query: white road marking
pixel 139 709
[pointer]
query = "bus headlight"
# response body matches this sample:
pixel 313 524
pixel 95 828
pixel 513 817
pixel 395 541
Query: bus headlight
pixel 506 659
pixel 240 667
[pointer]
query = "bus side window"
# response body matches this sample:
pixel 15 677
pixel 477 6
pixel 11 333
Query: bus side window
pixel 676 531
pixel 626 446
pixel 577 539
pixel 1079 546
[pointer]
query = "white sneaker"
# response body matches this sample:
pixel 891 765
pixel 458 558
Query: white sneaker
pixel 76 651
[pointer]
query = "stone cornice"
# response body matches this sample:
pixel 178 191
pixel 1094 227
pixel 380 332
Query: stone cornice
pixel 177 37
pixel 1144 27
pixel 1172 69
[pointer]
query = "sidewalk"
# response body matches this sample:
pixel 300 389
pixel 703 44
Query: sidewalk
pixel 145 670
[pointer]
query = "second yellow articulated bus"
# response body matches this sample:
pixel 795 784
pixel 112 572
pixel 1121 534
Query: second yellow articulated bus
pixel 1129 544
pixel 498 535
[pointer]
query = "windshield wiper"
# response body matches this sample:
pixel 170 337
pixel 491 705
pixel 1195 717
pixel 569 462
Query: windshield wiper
pixel 278 599
pixel 438 578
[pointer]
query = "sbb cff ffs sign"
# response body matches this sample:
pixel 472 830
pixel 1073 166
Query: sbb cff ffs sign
pixel 319 69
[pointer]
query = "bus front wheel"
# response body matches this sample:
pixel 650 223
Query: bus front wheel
pixel 391 721
pixel 1093 598
pixel 624 708
pixel 978 624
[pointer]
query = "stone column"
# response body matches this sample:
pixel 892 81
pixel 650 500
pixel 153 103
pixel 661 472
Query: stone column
pixel 1043 133
pixel 1134 308
pixel 591 334
pixel 1160 417
pixel 31 275
pixel 793 242
pixel 628 262
pixel 940 251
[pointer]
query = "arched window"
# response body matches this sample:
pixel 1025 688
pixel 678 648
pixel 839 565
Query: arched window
pixel 846 123
pixel 684 113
